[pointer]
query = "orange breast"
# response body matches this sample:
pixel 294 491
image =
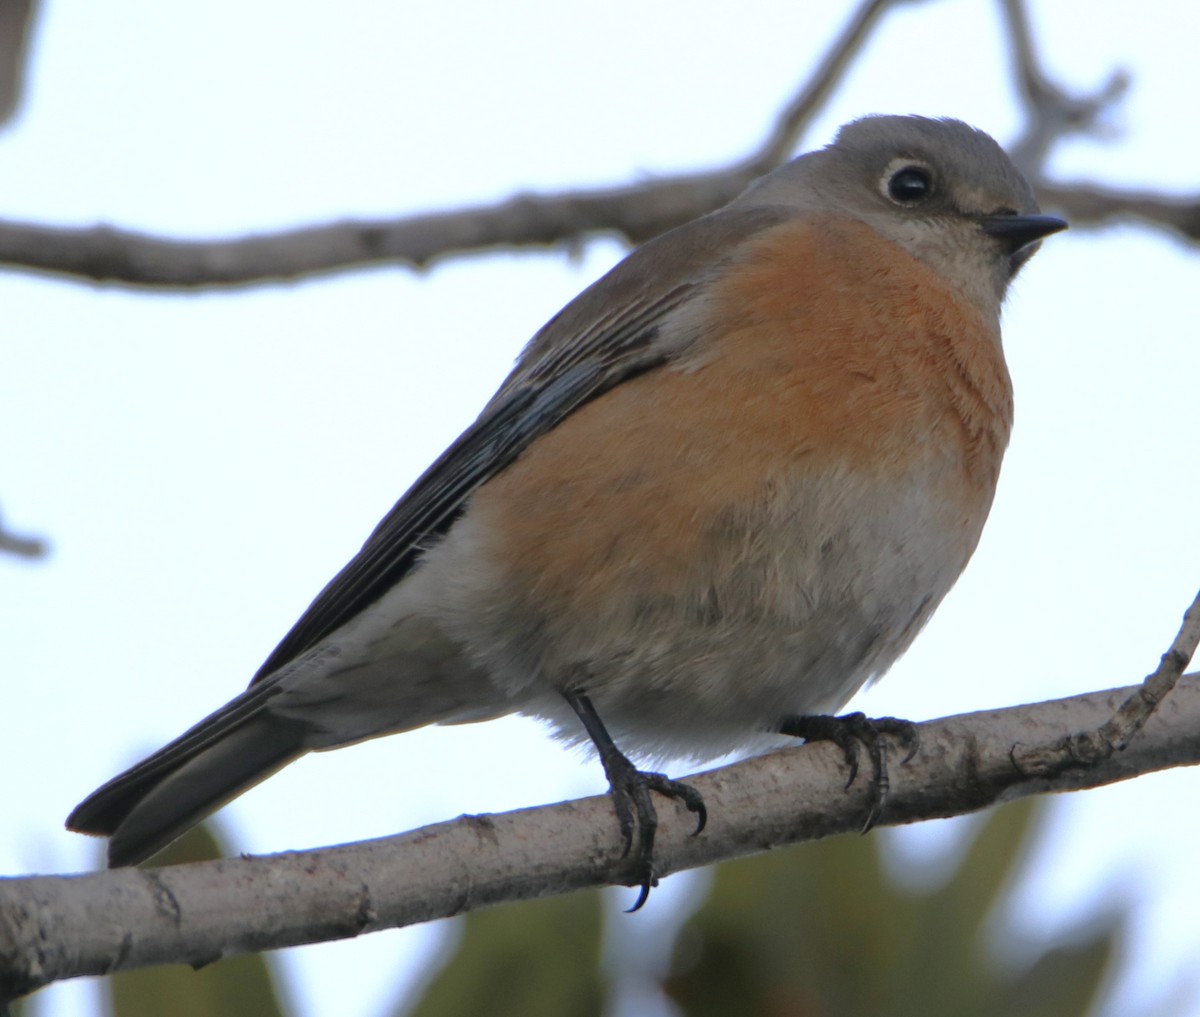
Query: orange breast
pixel 828 347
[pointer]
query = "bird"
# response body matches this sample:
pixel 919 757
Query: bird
pixel 720 491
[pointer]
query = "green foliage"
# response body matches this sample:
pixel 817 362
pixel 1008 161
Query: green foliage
pixel 538 957
pixel 819 931
pixel 237 987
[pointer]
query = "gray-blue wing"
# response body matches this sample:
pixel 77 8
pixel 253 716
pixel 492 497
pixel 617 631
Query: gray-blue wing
pixel 609 333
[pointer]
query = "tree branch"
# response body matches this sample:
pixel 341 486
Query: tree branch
pixel 55 927
pixel 16 24
pixel 1053 112
pixel 1088 204
pixel 1089 748
pixel 796 115
pixel 634 212
pixel 22 547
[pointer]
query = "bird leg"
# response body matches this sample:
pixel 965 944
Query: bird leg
pixel 630 789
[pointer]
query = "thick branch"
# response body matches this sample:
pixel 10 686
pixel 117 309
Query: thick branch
pixel 55 927
pixel 106 254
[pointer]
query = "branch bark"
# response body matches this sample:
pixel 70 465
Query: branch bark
pixel 56 927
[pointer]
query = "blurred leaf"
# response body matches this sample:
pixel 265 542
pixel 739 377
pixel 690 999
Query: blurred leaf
pixel 236 987
pixel 1064 980
pixel 525 960
pixel 26 1006
pixel 819 931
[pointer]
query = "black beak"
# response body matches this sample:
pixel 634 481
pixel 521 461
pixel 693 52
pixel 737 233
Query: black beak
pixel 1017 231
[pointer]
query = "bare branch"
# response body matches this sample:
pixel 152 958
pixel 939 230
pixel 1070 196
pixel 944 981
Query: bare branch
pixel 105 254
pixel 790 124
pixel 1140 706
pixel 22 547
pixel 16 21
pixel 634 212
pixel 1090 747
pixel 1092 204
pixel 55 927
pixel 1053 112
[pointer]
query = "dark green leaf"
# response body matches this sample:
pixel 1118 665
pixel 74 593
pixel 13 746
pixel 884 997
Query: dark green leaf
pixel 526 960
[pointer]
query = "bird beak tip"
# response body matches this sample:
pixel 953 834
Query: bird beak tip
pixel 1021 230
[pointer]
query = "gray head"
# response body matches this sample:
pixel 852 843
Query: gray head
pixel 941 189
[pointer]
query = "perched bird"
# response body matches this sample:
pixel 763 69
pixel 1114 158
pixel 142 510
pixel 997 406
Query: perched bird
pixel 722 489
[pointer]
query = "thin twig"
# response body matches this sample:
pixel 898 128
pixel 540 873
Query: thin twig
pixel 1053 113
pixel 1137 709
pixel 16 22
pixel 797 114
pixel 22 547
pixel 1092 747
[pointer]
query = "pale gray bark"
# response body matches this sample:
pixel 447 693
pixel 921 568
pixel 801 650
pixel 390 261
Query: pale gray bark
pixel 55 927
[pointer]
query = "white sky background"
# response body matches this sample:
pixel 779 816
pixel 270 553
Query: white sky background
pixel 204 463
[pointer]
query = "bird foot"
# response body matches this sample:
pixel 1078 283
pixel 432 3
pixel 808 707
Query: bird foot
pixel 854 732
pixel 630 789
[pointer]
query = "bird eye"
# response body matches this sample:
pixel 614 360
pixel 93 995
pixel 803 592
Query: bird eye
pixel 909 185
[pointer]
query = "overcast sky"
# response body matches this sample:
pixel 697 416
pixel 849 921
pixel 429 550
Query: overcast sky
pixel 203 464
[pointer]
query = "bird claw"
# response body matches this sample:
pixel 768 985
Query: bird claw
pixel 852 733
pixel 630 789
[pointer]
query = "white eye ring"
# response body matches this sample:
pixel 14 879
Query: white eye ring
pixel 907 182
